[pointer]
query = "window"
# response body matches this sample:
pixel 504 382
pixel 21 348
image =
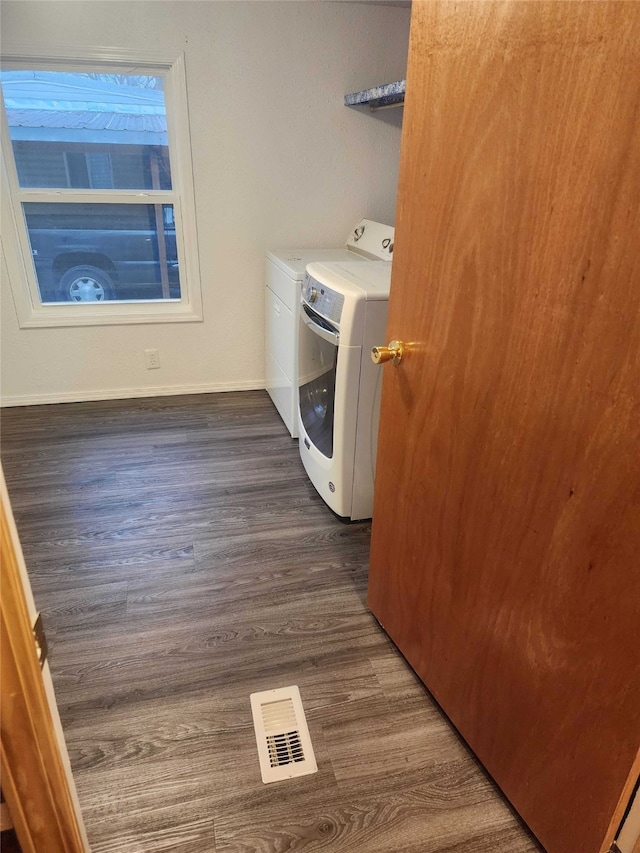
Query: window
pixel 100 191
pixel 87 169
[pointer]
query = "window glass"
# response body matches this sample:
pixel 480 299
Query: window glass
pixel 98 209
pixel 87 130
pixel 100 252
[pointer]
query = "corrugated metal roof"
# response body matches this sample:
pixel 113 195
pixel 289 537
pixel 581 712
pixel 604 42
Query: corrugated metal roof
pixel 86 120
pixel 56 90
pixel 64 104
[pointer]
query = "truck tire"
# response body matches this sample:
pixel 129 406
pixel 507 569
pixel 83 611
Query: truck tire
pixel 86 284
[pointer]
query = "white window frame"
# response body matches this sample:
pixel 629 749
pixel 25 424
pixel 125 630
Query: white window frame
pixel 14 239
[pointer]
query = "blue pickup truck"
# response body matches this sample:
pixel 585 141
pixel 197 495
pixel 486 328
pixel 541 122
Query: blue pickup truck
pixel 100 252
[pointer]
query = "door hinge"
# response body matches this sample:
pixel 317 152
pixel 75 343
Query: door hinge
pixel 41 640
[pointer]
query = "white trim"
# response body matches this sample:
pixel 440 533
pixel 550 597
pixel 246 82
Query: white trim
pixel 89 196
pixel 48 54
pixel 178 128
pixel 129 393
pixel 115 313
pixel 31 313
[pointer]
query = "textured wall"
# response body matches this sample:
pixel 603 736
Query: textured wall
pixel 278 161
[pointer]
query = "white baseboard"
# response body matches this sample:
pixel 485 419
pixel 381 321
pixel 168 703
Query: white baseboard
pixel 127 393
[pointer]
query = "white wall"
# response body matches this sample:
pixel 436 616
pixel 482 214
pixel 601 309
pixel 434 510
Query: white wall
pixel 278 161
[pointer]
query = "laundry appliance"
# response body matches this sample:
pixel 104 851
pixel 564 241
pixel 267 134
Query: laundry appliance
pixel 284 274
pixel 343 316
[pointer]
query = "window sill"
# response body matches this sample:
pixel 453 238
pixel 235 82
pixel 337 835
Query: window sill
pixel 107 314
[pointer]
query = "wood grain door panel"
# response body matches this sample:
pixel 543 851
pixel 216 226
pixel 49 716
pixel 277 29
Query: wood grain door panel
pixel 505 567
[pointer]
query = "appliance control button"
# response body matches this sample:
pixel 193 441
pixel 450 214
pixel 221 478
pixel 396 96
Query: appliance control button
pixel 312 294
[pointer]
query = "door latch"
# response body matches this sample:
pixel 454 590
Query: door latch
pixel 40 637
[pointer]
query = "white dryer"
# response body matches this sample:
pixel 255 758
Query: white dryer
pixel 284 273
pixel 343 316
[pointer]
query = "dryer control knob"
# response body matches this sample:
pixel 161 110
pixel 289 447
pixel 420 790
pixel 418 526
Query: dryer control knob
pixel 312 294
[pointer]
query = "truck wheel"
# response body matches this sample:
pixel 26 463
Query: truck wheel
pixel 86 284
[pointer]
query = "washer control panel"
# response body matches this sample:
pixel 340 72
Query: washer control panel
pixel 324 300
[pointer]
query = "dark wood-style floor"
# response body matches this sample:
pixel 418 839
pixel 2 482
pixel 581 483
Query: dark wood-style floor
pixel 182 561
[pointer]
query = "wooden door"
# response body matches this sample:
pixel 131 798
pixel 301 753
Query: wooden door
pixel 36 778
pixel 505 559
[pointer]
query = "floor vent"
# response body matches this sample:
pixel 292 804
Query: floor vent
pixel 284 745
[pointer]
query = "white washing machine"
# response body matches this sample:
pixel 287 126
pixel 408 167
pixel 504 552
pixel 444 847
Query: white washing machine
pixel 284 273
pixel 343 316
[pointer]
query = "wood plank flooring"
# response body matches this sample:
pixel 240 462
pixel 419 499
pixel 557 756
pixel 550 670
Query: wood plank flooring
pixel 182 561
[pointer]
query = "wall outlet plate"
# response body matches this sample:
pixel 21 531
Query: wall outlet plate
pixel 151 359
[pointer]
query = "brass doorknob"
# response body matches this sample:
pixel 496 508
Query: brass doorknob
pixel 392 353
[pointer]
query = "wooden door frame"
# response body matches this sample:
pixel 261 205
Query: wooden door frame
pixel 627 803
pixel 35 779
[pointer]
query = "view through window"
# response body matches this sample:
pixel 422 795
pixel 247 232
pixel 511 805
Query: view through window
pixel 91 155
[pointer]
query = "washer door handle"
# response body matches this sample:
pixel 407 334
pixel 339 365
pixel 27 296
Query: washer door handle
pixel 331 337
